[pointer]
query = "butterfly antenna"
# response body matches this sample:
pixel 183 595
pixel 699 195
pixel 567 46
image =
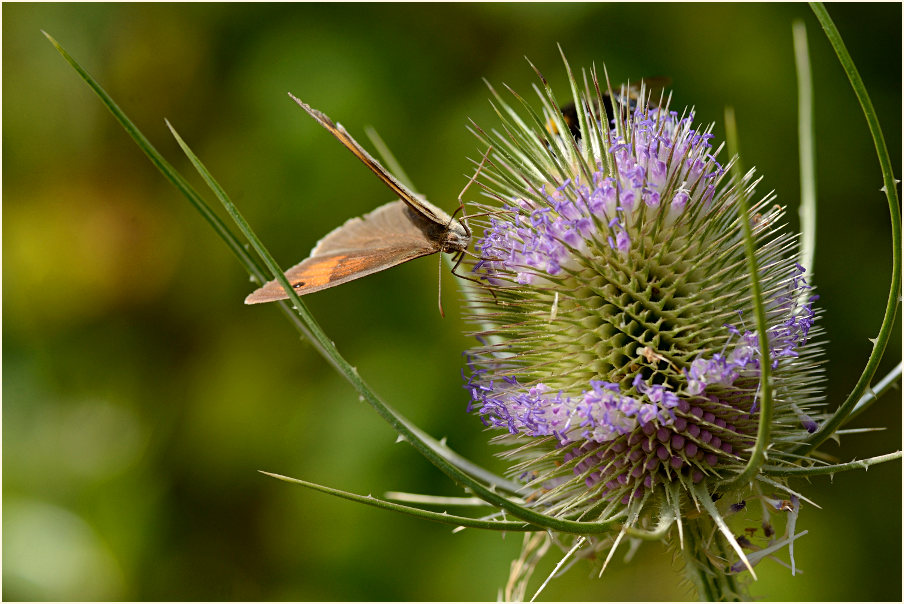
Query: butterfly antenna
pixel 461 208
pixel 461 203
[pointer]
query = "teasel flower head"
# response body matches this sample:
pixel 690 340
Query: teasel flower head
pixel 617 353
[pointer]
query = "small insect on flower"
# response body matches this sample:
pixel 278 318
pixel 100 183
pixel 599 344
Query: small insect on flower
pixel 625 99
pixel 618 353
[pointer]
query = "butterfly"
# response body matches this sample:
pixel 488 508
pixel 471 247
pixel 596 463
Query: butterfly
pixel 397 232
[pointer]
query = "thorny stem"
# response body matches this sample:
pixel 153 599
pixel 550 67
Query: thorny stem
pixel 890 188
pixel 712 582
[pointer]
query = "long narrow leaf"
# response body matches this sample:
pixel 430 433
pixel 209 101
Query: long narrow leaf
pixel 873 394
pixel 758 454
pixel 732 141
pixel 860 464
pixel 806 135
pixel 496 525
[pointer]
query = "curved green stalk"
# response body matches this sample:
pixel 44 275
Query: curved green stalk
pixel 732 141
pixel 443 517
pixel 891 193
pixel 420 499
pixel 860 464
pixel 871 396
pixel 466 465
pixel 806 135
pixel 758 454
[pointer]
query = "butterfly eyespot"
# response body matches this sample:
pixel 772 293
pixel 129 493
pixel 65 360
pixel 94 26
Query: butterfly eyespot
pixel 299 284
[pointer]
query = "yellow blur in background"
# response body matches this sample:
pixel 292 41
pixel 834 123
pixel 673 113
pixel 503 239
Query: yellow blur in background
pixel 140 396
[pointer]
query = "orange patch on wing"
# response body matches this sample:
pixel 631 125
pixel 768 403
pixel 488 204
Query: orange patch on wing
pixel 321 272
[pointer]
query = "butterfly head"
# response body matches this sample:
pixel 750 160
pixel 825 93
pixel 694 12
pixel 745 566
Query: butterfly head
pixel 457 236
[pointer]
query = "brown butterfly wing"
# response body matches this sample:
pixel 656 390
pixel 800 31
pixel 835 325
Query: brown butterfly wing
pixel 422 206
pixel 388 236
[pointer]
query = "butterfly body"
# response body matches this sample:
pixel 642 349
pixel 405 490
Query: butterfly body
pixel 399 231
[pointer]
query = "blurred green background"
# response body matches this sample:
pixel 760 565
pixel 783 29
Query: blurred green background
pixel 140 396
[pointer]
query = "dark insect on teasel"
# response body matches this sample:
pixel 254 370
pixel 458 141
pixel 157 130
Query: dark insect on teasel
pixel 625 99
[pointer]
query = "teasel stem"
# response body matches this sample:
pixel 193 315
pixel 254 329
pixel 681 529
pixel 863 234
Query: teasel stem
pixel 710 580
pixel 890 188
